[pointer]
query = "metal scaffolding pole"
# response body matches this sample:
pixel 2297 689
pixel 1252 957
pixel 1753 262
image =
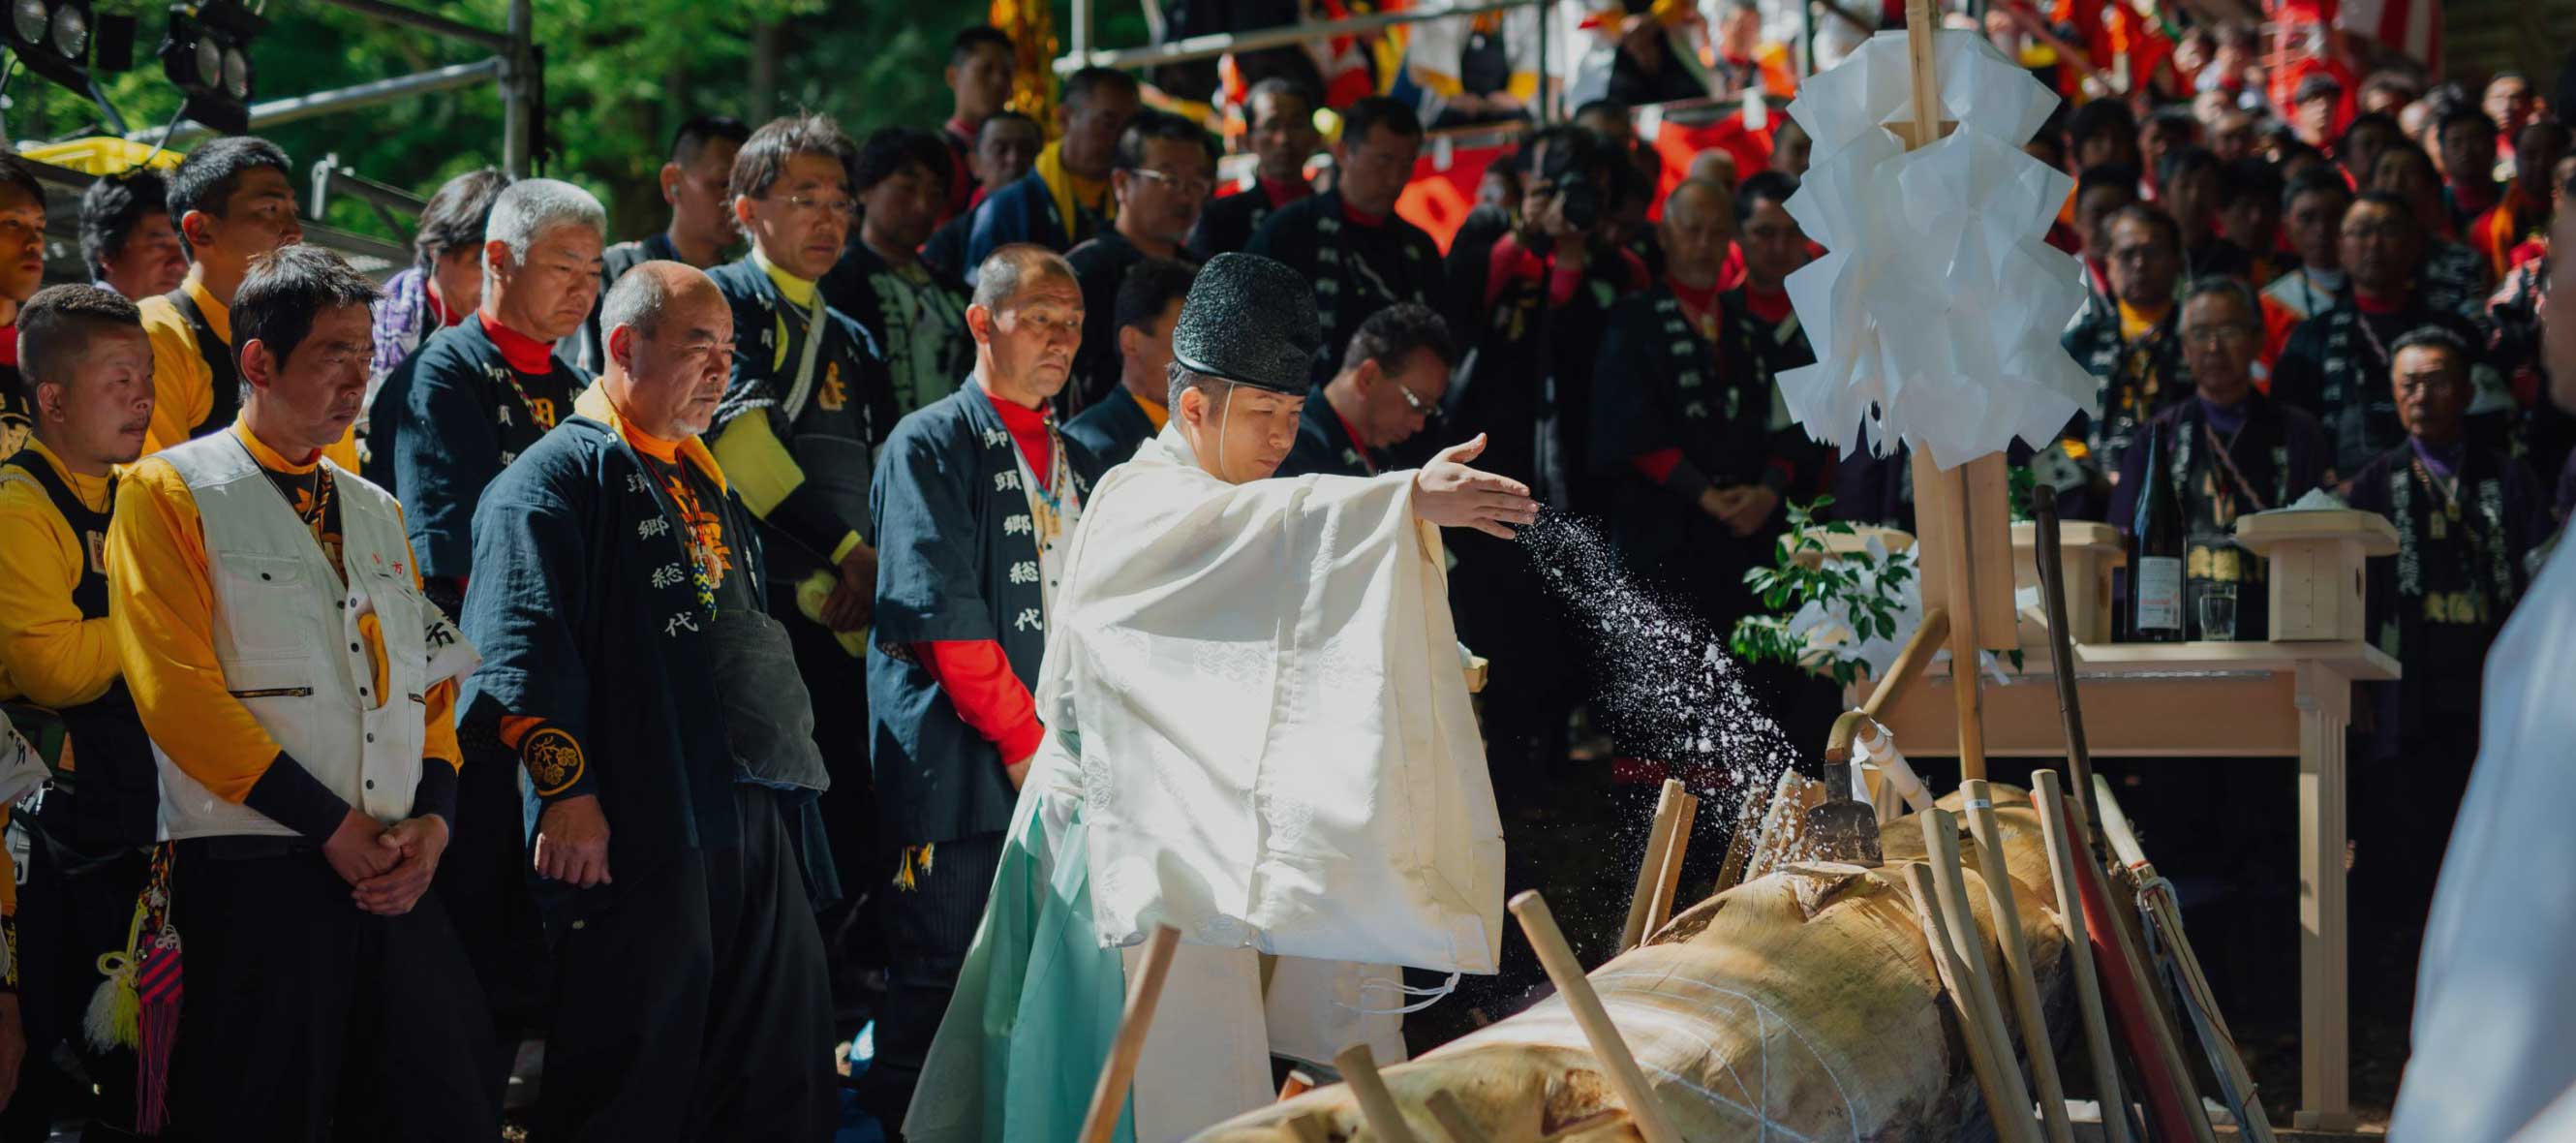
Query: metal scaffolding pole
pixel 1216 44
pixel 436 25
pixel 292 108
pixel 520 83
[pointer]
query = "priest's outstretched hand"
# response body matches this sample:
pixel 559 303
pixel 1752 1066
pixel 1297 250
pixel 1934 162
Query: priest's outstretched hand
pixel 1452 495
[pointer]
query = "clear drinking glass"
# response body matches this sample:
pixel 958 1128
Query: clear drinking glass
pixel 2218 612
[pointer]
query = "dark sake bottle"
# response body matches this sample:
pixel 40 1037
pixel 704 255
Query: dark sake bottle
pixel 2156 552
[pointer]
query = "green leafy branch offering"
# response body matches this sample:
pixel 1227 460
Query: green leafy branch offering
pixel 1825 606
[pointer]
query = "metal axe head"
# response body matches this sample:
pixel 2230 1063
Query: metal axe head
pixel 1840 829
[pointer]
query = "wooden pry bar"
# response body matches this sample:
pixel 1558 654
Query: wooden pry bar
pixel 2051 803
pixel 1675 845
pixel 1959 919
pixel 1358 1066
pixel 2037 1047
pixel 1101 1122
pixel 1617 1063
pixel 1953 971
pixel 1650 865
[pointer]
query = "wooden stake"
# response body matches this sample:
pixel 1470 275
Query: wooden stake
pixel 1953 972
pixel 1358 1066
pixel 1650 866
pixel 1312 1127
pixel 1452 1118
pixel 1941 844
pixel 2037 1047
pixel 2079 948
pixel 1111 1095
pixel 1748 829
pixel 1557 957
pixel 1661 910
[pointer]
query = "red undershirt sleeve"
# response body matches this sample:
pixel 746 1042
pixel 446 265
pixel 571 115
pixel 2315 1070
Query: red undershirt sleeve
pixel 980 684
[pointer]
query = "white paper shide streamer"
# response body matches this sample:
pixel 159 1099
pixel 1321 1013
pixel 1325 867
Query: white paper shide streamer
pixel 1936 311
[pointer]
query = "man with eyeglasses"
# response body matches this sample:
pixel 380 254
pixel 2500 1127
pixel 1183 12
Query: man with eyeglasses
pixel 798 434
pixel 2336 364
pixel 2234 451
pixel 1389 388
pixel 1166 166
pixel 667 748
pixel 2126 340
pixel 1348 241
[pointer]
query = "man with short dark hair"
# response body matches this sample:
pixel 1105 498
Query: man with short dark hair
pixel 2522 215
pixel 1282 136
pixel 975 506
pixel 1066 199
pixel 1166 167
pixel 701 228
pixel 2189 186
pixel 2336 364
pixel 881 282
pixel 90 370
pixel 231 200
pixel 2100 191
pixel 1149 301
pixel 2231 451
pixel 2126 341
pixel 2313 207
pixel 1349 241
pixel 2466 516
pixel 2358 149
pixel 22 273
pixel 1006 150
pixel 2103 131
pixel 2452 276
pixel 444 283
pixel 668 747
pixel 800 434
pixel 299 691
pixel 2314 105
pixel 2249 216
pixel 126 237
pixel 2466 139
pixel 1389 388
pixel 980 59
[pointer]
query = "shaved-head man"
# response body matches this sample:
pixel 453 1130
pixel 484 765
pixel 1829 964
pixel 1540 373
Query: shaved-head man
pixel 974 504
pixel 612 562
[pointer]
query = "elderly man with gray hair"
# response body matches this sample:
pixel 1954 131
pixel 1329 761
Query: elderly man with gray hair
pixel 479 392
pixel 630 667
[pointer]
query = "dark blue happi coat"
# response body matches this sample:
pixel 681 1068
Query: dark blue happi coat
pixel 587 617
pixel 448 420
pixel 957 560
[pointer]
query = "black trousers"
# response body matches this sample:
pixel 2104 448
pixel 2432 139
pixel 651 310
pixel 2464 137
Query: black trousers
pixel 306 1018
pixel 690 1001
pixel 929 927
pixel 74 906
pixel 483 883
pixel 854 926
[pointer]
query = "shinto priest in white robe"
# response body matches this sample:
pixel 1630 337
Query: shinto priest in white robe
pixel 1258 733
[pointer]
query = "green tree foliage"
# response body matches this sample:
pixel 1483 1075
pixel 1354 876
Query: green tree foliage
pixel 620 75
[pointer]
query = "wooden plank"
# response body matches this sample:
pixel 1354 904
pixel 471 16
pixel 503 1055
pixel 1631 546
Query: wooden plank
pixel 2123 718
pixel 1617 1062
pixel 1110 1096
pixel 1358 1066
pixel 2051 804
pixel 2021 985
pixel 1669 882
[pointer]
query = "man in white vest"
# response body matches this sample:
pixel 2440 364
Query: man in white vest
pixel 1257 732
pixel 299 691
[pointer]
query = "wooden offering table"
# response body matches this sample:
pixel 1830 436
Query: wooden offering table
pixel 2287 697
